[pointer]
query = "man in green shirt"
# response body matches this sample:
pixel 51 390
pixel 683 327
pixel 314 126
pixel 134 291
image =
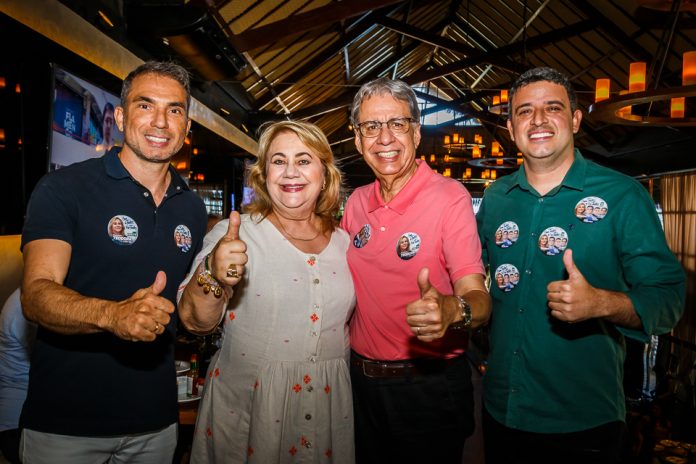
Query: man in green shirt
pixel 553 387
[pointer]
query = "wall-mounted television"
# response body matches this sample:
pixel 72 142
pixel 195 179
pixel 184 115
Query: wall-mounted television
pixel 82 120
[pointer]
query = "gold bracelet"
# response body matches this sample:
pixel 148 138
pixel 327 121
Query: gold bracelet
pixel 209 283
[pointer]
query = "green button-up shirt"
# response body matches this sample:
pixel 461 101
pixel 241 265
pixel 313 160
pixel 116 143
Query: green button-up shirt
pixel 545 375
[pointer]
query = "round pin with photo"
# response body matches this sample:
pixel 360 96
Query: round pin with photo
pixel 182 238
pixel 506 277
pixel 362 237
pixel 590 210
pixel 408 245
pixel 507 234
pixel 553 241
pixel 122 230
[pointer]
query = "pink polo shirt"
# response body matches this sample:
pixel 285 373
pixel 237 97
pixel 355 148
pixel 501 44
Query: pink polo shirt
pixel 429 223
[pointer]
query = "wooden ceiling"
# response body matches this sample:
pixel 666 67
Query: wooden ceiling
pixel 260 60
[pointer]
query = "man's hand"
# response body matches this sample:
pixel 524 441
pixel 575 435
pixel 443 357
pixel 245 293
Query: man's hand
pixel 229 256
pixel 427 316
pixel 573 299
pixel 144 315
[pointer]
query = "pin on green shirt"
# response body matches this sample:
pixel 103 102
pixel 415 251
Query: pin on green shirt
pixel 545 375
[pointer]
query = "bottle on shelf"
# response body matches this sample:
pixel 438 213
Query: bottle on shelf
pixel 192 378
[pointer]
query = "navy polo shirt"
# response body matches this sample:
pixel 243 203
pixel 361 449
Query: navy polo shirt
pixel 99 384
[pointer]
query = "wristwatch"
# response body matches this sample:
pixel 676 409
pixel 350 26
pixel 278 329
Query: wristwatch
pixel 467 319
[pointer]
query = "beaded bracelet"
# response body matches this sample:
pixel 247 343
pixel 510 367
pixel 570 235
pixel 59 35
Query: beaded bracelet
pixel 209 283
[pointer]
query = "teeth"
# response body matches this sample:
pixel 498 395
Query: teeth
pixel 152 138
pixel 539 135
pixel 387 154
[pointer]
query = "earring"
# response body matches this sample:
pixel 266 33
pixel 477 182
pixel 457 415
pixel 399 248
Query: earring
pixel 323 184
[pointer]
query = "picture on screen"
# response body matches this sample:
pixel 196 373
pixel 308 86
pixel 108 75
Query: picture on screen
pixel 82 124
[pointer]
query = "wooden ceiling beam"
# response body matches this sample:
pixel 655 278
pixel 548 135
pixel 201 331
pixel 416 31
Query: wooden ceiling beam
pixel 303 22
pixel 532 43
pixel 443 42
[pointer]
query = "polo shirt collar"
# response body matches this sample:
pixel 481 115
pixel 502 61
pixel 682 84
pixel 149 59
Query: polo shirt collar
pixel 114 168
pixel 408 192
pixel 574 178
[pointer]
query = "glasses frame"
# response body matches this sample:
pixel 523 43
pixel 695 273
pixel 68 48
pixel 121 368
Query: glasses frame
pixel 388 124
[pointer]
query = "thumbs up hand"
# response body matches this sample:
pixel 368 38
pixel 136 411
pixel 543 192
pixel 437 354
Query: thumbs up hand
pixel 229 256
pixel 573 299
pixel 144 315
pixel 425 315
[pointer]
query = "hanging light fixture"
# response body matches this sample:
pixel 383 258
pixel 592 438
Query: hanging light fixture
pixel 499 104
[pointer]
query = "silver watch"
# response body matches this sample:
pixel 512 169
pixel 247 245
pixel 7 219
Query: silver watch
pixel 467 319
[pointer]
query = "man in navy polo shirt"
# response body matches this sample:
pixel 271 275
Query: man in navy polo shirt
pixel 102 266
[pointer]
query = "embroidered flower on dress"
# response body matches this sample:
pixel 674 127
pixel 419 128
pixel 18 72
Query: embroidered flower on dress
pixel 250 451
pixel 328 453
pixel 312 261
pixel 307 379
pixel 297 388
pixel 314 317
pixel 293 450
pixel 232 316
pixel 327 389
pixel 217 372
pixel 209 432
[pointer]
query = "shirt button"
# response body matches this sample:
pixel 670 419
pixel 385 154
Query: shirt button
pixel 316 281
pixel 178 188
pixel 310 388
pixel 308 444
pixel 513 390
pixel 145 194
pixel 382 228
pixel 314 334
pixel 516 352
pixel 308 416
pixel 520 310
pixel 541 200
pixel 534 234
pixel 316 306
pixel 528 271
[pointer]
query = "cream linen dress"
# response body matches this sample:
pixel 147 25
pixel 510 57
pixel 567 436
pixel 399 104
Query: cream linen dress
pixel 278 390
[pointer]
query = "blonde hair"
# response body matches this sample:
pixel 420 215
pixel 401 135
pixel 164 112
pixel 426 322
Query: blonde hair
pixel 309 134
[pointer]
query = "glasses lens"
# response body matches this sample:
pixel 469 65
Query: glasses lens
pixel 399 125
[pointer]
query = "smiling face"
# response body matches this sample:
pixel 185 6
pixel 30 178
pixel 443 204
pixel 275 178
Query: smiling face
pixel 294 176
pixel 542 124
pixel 543 240
pixel 392 157
pixel 153 120
pixel 117 227
pixel 580 209
pixel 403 244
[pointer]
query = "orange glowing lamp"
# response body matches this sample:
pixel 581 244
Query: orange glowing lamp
pixel 602 90
pixel 636 77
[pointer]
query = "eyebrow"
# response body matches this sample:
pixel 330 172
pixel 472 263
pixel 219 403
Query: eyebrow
pixel 144 98
pixel 302 153
pixel 548 102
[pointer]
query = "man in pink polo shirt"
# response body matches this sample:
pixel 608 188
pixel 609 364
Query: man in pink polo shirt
pixel 416 264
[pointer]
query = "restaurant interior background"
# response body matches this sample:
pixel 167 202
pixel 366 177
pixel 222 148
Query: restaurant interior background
pixel 255 61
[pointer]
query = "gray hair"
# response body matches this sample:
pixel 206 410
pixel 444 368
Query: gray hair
pixel 161 68
pixel 543 74
pixel 381 86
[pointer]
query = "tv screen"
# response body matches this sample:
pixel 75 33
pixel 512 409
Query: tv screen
pixel 82 120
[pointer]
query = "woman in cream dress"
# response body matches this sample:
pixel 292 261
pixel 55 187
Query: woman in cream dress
pixel 278 390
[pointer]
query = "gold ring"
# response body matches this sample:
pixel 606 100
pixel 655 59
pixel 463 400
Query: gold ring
pixel 157 327
pixel 232 271
pixel 418 331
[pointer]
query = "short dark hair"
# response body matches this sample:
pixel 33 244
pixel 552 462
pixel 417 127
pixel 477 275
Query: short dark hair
pixel 162 68
pixel 382 86
pixel 542 74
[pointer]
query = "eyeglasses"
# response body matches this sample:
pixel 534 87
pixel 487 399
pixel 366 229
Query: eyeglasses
pixel 373 128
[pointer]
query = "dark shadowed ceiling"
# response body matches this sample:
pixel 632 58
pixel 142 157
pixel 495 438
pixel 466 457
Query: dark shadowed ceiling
pixel 260 60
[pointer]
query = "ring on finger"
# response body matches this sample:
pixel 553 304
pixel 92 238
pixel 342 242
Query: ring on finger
pixel 418 331
pixel 232 271
pixel 157 327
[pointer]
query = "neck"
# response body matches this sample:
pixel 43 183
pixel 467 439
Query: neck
pixel 298 228
pixel 389 187
pixel 545 175
pixel 153 176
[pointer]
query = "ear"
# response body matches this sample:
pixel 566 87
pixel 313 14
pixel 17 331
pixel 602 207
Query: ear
pixel 118 117
pixel 509 127
pixel 358 142
pixel 188 126
pixel 416 134
pixel 577 117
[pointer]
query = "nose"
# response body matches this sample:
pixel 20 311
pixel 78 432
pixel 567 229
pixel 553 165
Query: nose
pixel 385 136
pixel 291 170
pixel 159 118
pixel 538 117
